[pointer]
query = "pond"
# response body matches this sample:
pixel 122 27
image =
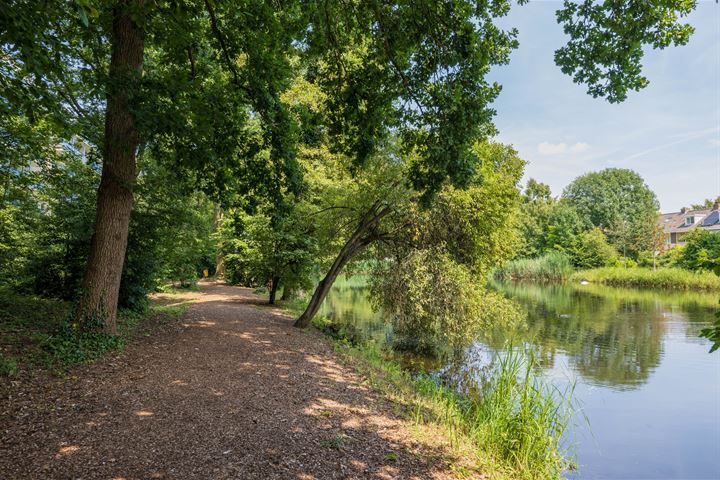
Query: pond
pixel 648 390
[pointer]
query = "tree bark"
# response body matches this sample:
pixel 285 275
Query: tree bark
pixel 274 283
pixel 97 308
pixel 287 293
pixel 363 236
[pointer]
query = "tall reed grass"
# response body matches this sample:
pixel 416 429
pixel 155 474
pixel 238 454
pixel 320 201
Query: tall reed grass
pixel 514 421
pixel 671 278
pixel 551 267
pixel 516 417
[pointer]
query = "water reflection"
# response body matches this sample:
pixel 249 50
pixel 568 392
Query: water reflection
pixel 649 389
pixel 611 336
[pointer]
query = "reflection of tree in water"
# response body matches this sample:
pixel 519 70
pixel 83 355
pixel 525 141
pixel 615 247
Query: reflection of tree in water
pixel 348 305
pixel 612 336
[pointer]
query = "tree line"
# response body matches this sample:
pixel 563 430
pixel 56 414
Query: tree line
pixel 303 134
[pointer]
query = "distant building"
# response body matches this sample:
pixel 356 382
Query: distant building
pixel 676 225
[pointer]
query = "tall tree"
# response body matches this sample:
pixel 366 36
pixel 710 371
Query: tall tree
pixel 414 68
pixel 101 284
pixel 619 202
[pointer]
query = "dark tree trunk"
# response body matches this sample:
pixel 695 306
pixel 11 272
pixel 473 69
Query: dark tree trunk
pixel 287 293
pixel 101 284
pixel 274 283
pixel 363 236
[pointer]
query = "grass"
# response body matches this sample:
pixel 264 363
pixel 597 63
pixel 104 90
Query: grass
pixel 668 278
pixel 511 428
pixel 551 267
pixel 37 333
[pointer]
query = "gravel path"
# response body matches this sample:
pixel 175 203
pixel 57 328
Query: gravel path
pixel 230 391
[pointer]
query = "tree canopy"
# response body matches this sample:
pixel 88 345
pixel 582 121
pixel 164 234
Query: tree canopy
pixel 201 86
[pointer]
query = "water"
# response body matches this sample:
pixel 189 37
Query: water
pixel 648 389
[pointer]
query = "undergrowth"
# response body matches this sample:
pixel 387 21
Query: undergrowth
pixel 40 333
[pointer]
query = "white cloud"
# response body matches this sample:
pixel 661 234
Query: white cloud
pixel 579 147
pixel 547 148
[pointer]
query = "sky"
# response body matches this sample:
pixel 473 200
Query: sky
pixel 668 132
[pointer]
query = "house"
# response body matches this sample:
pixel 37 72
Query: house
pixel 676 225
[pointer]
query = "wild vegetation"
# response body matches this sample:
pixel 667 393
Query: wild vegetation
pixel 671 278
pixel 274 144
pixel 604 229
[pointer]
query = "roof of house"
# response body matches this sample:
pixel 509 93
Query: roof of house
pixel 707 219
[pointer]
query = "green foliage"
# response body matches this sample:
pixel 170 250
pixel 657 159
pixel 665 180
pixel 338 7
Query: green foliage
pixel 608 40
pixel 671 278
pixel 256 250
pixel 69 345
pixel 593 250
pixel 672 257
pixel 551 267
pixel 477 226
pixel 620 203
pixel 536 210
pixel 39 333
pixel 712 333
pixel 8 366
pixel 564 227
pixel 433 301
pixel 47 217
pixel 701 251
pixel 430 279
pixel 707 204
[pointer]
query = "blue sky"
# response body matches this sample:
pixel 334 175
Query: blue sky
pixel 668 132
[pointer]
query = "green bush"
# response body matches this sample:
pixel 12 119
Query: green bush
pixel 434 302
pixel 551 267
pixel 593 250
pixel 702 250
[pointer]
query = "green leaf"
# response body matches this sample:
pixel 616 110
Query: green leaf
pixel 83 17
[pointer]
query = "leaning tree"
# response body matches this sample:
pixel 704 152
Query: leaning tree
pixel 197 80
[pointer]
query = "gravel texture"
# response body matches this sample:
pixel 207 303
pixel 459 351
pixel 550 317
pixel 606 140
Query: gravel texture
pixel 231 390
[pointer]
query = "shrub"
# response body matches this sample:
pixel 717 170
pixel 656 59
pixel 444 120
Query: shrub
pixel 701 250
pixel 433 302
pixel 593 250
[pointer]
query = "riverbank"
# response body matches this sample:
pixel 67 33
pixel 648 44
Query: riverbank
pixel 661 278
pixel 555 268
pixel 513 429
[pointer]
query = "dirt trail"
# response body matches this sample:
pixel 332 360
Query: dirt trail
pixel 231 391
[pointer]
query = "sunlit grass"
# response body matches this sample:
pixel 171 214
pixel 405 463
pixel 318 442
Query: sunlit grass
pixel 512 427
pixel 671 278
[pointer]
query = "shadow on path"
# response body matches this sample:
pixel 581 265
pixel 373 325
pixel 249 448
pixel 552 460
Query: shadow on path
pixel 232 391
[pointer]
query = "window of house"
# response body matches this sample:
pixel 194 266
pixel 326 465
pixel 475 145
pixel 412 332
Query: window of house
pixel 689 220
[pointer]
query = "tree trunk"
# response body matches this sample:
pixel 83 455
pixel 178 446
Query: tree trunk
pixel 273 289
pixel 101 284
pixel 287 293
pixel 363 236
pixel 219 259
